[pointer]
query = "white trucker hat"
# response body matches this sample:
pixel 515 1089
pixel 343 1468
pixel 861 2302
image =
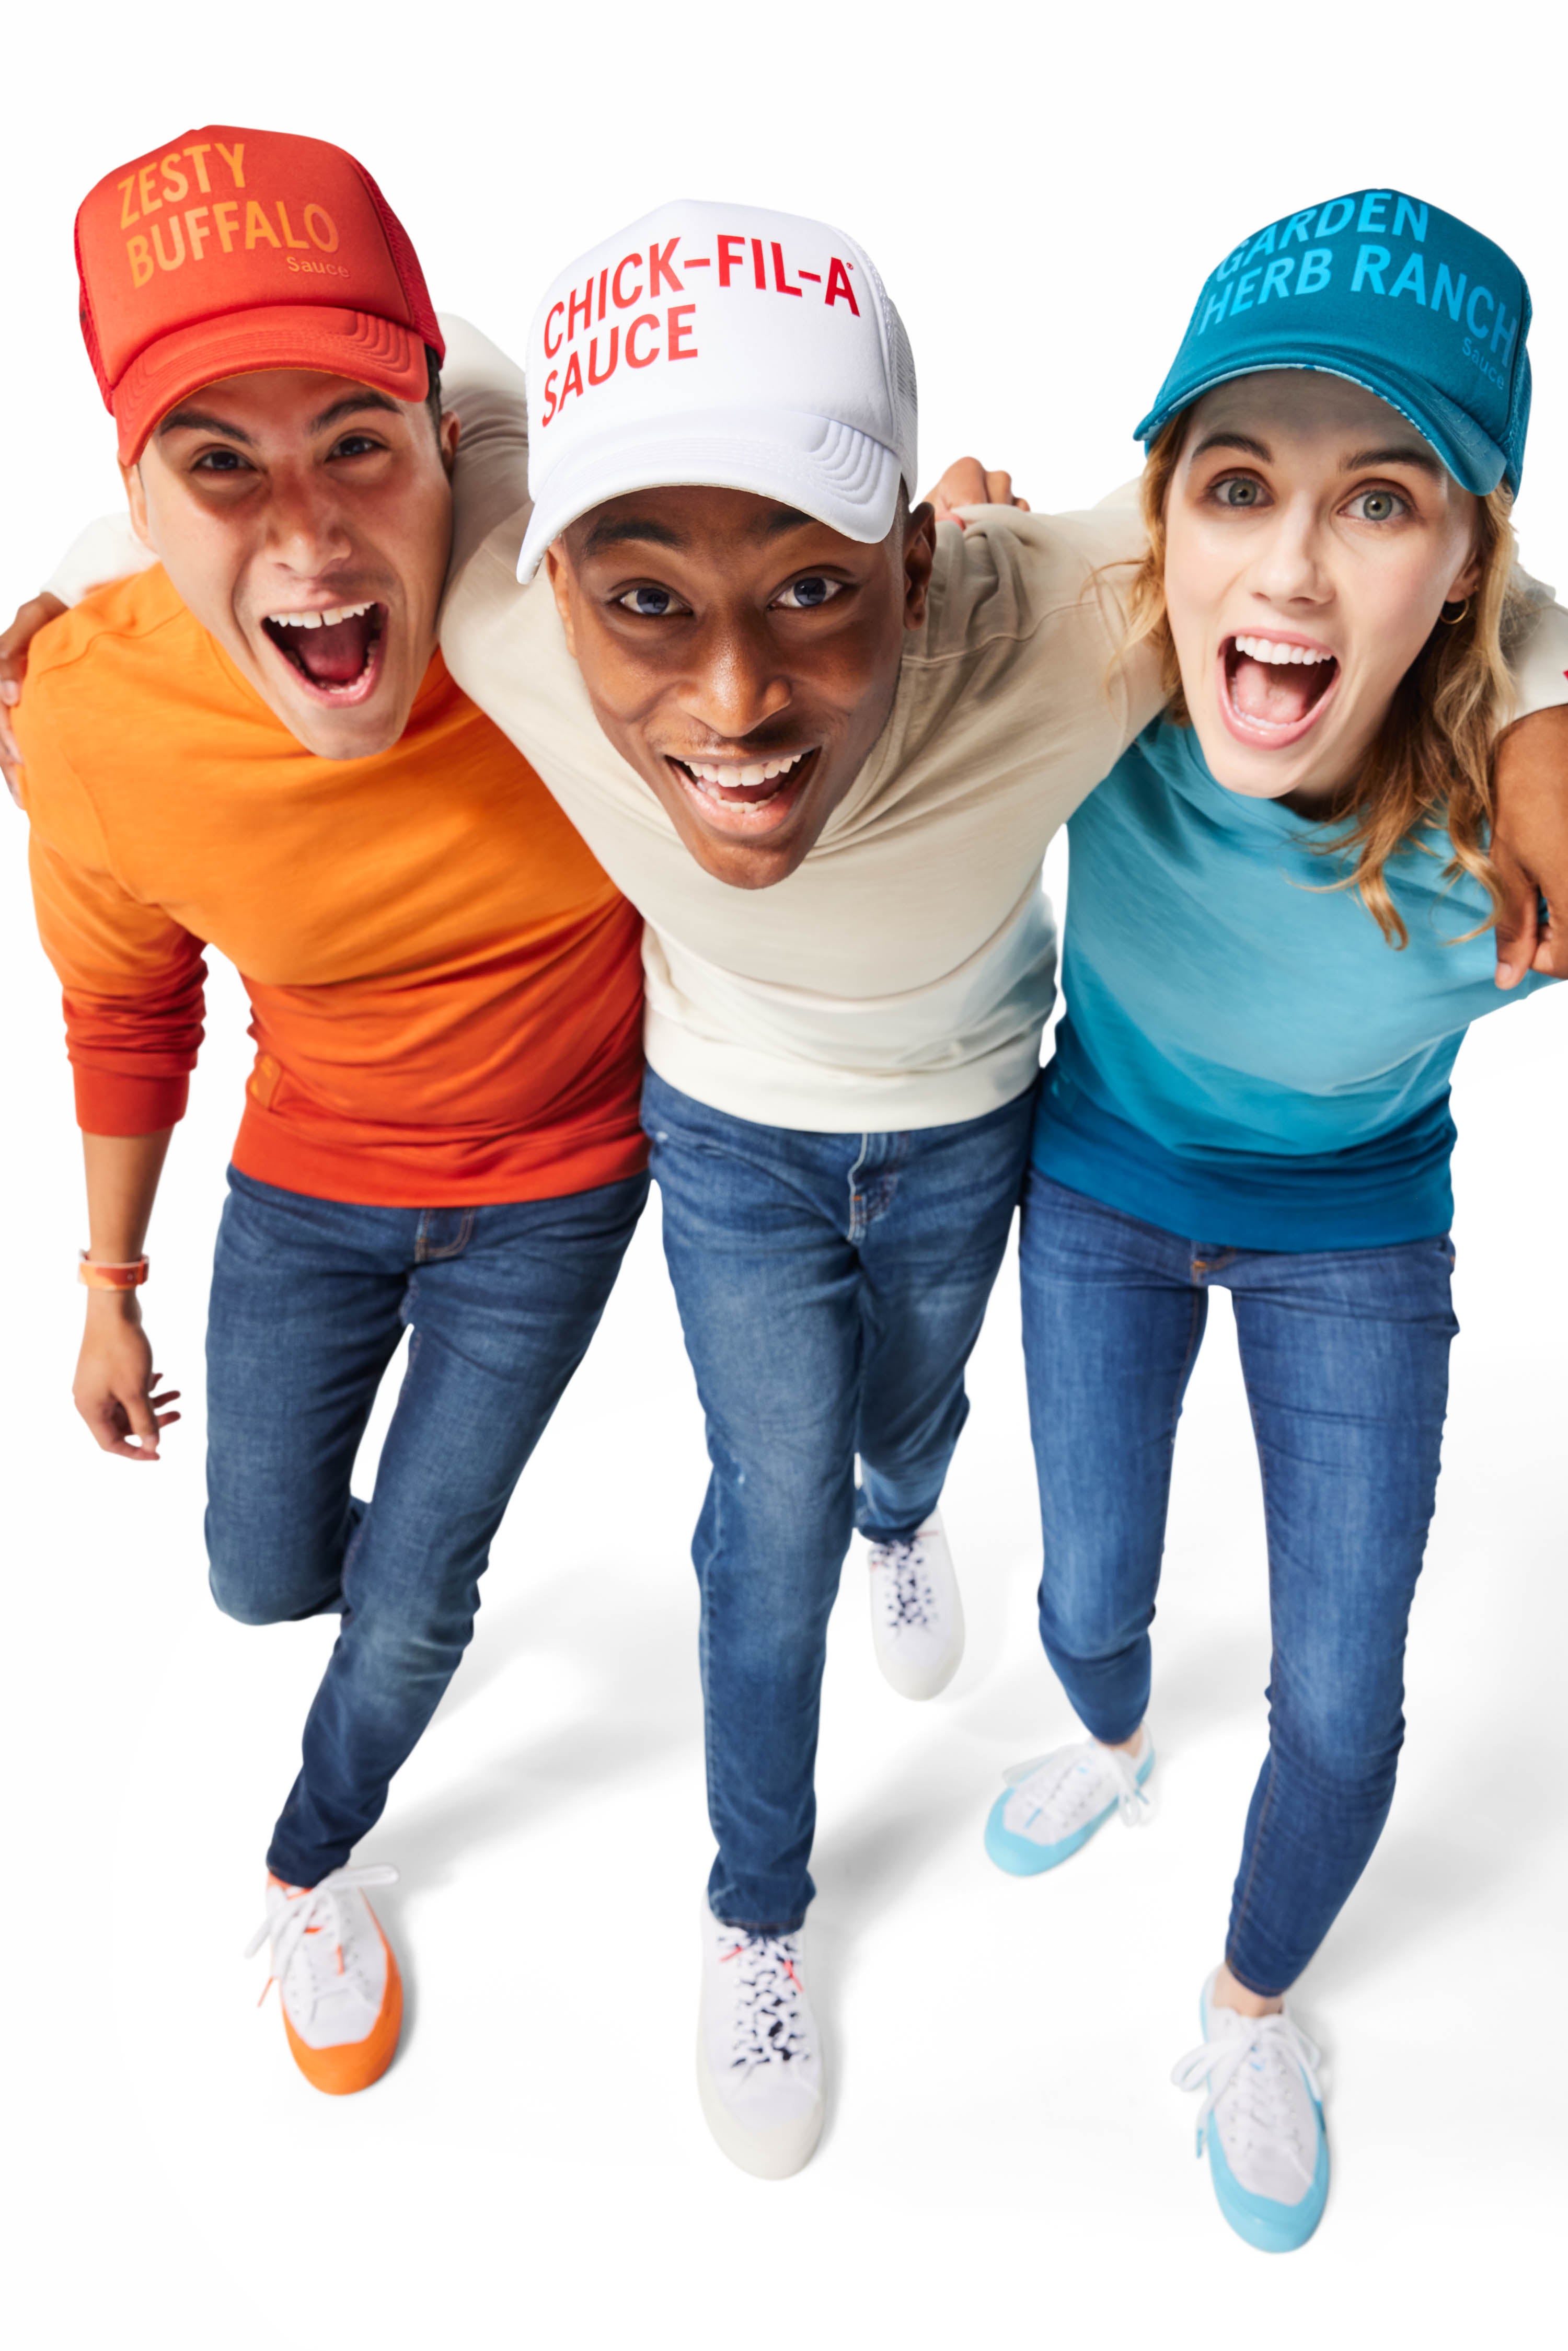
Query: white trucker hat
pixel 721 345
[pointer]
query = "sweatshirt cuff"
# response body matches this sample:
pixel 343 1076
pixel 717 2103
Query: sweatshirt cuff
pixel 107 1103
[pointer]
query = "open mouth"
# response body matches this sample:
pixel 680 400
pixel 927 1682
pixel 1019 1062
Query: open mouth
pixel 1272 689
pixel 753 793
pixel 337 651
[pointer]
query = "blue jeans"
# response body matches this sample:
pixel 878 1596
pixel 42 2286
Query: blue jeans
pixel 831 1287
pixel 309 1300
pixel 1345 1357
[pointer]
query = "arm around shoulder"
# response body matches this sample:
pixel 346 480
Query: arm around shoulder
pixel 485 392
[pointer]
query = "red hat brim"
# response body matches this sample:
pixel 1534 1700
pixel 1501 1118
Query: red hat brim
pixel 349 343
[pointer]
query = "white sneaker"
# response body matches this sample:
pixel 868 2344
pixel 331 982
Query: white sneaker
pixel 1053 1805
pixel 759 2061
pixel 336 1979
pixel 917 1616
pixel 1262 2122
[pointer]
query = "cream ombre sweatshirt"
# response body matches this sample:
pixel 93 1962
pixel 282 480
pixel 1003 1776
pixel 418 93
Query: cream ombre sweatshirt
pixel 901 977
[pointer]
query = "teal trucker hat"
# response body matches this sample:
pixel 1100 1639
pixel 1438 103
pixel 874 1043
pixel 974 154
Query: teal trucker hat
pixel 1393 294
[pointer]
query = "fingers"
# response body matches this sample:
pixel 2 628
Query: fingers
pixel 1551 954
pixel 10 760
pixel 963 485
pixel 14 643
pixel 142 1423
pixel 130 1427
pixel 967 483
pixel 110 1423
pixel 1517 922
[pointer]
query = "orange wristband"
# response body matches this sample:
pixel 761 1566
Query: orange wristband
pixel 110 1277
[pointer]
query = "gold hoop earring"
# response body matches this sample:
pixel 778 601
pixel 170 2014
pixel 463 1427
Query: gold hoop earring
pixel 1452 620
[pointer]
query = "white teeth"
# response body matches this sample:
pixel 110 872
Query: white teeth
pixel 1268 649
pixel 742 778
pixel 327 619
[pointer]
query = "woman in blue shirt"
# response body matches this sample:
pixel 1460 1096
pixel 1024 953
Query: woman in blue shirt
pixel 1277 936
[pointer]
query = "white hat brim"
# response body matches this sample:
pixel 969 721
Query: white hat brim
pixel 833 472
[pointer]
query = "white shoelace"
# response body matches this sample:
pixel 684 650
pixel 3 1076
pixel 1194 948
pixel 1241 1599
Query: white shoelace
pixel 1262 2106
pixel 1134 1802
pixel 769 2028
pixel 907 1596
pixel 317 1907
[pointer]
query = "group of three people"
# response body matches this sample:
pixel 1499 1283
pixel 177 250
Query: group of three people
pixel 731 754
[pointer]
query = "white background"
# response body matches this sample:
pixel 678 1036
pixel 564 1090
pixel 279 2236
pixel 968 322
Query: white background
pixel 1005 2163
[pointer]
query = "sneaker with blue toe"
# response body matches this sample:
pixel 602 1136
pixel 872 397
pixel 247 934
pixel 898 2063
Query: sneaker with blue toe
pixel 1054 1804
pixel 1262 2123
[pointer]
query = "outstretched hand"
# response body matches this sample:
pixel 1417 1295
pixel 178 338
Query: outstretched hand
pixel 968 484
pixel 30 618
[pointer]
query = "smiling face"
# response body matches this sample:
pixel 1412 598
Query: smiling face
pixel 305 520
pixel 1311 539
pixel 741 657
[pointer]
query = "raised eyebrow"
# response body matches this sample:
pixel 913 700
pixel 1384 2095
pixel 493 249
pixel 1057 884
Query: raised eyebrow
pixel 197 420
pixel 1399 453
pixel 614 532
pixel 788 518
pixel 1241 441
pixel 352 404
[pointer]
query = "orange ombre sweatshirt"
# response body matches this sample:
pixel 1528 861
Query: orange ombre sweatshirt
pixel 447 989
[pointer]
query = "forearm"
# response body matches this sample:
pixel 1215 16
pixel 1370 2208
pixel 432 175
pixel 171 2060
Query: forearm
pixel 115 1382
pixel 122 1173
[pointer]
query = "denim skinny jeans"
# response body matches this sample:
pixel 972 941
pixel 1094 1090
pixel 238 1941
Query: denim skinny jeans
pixel 1345 1358
pixel 309 1300
pixel 831 1287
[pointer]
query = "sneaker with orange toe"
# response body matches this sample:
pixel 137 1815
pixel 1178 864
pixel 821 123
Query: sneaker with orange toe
pixel 336 1979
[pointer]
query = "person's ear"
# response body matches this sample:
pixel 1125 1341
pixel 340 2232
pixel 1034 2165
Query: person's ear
pixel 919 554
pixel 1468 578
pixel 449 433
pixel 560 585
pixel 136 499
pixel 1464 584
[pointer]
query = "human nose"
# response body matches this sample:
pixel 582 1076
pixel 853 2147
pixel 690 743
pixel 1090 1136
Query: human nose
pixel 1289 568
pixel 735 684
pixel 305 532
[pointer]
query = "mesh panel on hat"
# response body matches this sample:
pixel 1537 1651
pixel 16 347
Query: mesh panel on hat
pixel 901 377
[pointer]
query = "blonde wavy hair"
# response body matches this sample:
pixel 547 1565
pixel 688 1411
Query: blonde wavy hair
pixel 1429 770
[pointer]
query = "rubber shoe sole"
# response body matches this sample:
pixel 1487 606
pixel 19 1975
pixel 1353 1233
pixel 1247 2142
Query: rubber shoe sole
pixel 1261 2220
pixel 1020 1856
pixel 354 2064
pixel 774 2154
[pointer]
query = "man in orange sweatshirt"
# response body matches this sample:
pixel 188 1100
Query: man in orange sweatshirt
pixel 256 745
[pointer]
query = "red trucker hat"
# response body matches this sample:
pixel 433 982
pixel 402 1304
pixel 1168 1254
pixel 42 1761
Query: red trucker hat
pixel 229 251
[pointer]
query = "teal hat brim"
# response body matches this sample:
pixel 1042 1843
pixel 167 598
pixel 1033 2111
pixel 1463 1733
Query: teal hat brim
pixel 1474 461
